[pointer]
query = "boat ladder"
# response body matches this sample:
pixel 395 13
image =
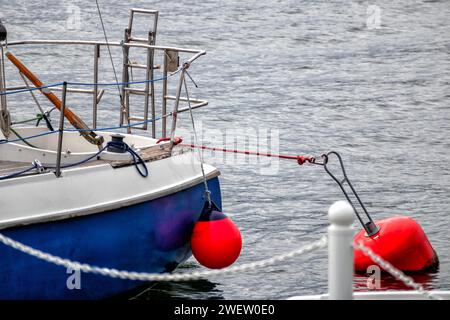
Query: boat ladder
pixel 148 91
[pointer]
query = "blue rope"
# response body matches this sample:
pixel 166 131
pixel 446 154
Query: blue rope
pixel 114 128
pixel 31 89
pixel 136 157
pixel 85 84
pixel 12 175
pixel 3 141
pixel 137 160
pixel 115 84
pixel 82 161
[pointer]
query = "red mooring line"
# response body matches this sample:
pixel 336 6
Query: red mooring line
pixel 300 159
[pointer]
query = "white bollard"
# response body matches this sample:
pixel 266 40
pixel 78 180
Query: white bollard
pixel 340 251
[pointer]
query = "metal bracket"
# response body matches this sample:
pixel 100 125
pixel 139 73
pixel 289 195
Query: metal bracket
pixel 370 226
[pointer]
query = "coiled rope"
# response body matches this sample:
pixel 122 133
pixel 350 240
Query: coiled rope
pixel 136 157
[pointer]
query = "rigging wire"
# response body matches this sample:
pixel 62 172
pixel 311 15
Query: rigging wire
pixel 109 52
pixel 205 181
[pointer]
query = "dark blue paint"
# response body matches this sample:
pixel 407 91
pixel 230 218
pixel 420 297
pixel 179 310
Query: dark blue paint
pixel 152 236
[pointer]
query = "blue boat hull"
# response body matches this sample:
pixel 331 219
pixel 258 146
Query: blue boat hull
pixel 153 236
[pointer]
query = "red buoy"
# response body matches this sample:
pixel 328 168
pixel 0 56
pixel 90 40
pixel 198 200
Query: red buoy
pixel 402 242
pixel 216 241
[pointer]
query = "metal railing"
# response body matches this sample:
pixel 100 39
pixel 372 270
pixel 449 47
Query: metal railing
pixel 98 93
pixel 61 131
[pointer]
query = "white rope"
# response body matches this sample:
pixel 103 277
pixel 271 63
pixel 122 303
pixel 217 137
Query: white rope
pixel 399 275
pixel 143 276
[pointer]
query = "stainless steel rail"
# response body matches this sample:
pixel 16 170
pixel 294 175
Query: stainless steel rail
pixel 98 93
pixel 61 131
pixel 197 53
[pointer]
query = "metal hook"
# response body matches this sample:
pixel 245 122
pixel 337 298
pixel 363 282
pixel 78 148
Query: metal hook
pixel 370 227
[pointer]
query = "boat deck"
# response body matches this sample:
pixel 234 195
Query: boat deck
pixel 148 154
pixel 9 167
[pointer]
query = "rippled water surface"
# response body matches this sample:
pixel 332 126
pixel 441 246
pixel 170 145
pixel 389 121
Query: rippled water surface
pixel 319 75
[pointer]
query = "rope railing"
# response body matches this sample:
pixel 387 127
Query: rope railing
pixel 144 276
pixel 323 242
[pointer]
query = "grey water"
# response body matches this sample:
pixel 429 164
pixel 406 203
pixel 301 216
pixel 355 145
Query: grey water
pixel 369 79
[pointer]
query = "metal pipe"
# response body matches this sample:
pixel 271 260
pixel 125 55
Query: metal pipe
pixel 95 90
pixel 185 99
pixel 340 251
pixel 5 126
pixel 164 99
pixel 150 86
pixel 2 80
pixel 102 43
pixel 99 92
pixel 155 24
pixel 142 66
pixel 61 131
pixel 148 74
pixel 175 109
pixel 100 95
pixel 55 89
pixel 195 57
pixel 194 106
pixel 130 20
pixel 144 11
pixel 124 107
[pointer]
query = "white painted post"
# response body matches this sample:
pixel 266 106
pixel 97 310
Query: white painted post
pixel 340 251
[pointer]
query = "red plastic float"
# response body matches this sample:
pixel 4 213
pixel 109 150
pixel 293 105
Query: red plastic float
pixel 216 241
pixel 401 241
